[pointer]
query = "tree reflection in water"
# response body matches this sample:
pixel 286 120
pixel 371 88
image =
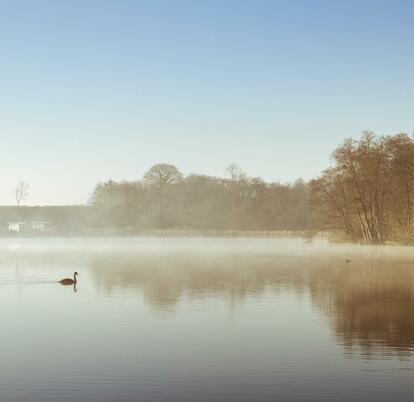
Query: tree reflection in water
pixel 369 303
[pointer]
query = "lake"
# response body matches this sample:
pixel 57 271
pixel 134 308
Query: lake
pixel 163 319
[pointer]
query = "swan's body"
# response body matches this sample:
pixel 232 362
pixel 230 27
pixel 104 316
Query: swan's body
pixel 69 281
pixel 348 260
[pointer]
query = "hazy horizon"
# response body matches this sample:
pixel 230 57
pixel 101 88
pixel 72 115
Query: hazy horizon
pixel 97 90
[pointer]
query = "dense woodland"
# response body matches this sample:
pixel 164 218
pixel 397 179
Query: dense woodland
pixel 164 199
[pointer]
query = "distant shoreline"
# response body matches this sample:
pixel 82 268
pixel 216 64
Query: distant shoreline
pixel 200 234
pixel 164 233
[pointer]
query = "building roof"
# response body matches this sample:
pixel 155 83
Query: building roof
pixel 39 222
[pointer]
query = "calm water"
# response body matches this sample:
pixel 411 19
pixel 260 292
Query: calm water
pixel 205 320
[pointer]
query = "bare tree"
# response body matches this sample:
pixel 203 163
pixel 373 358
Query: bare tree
pixel 234 172
pixel 21 192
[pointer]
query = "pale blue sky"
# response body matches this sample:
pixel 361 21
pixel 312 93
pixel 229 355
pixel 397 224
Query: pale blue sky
pixel 96 89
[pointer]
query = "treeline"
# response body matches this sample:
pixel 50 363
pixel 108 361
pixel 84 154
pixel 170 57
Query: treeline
pixel 367 194
pixel 369 191
pixel 165 199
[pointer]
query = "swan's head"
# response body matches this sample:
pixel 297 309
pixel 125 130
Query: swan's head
pixel 76 274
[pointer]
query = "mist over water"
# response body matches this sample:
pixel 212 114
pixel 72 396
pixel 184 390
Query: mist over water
pixel 205 319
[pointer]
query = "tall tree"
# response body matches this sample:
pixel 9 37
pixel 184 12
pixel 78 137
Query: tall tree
pixel 369 190
pixel 161 179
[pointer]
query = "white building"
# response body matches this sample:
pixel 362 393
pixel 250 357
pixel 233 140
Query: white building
pixel 30 227
pixel 15 227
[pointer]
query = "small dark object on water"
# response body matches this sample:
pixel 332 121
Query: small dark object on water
pixel 69 281
pixel 348 260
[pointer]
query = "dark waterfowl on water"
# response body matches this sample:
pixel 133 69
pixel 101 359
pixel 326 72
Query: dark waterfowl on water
pixel 348 260
pixel 69 281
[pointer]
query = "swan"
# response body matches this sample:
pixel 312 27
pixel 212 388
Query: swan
pixel 69 281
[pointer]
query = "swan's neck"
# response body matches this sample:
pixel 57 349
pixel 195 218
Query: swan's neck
pixel 74 278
